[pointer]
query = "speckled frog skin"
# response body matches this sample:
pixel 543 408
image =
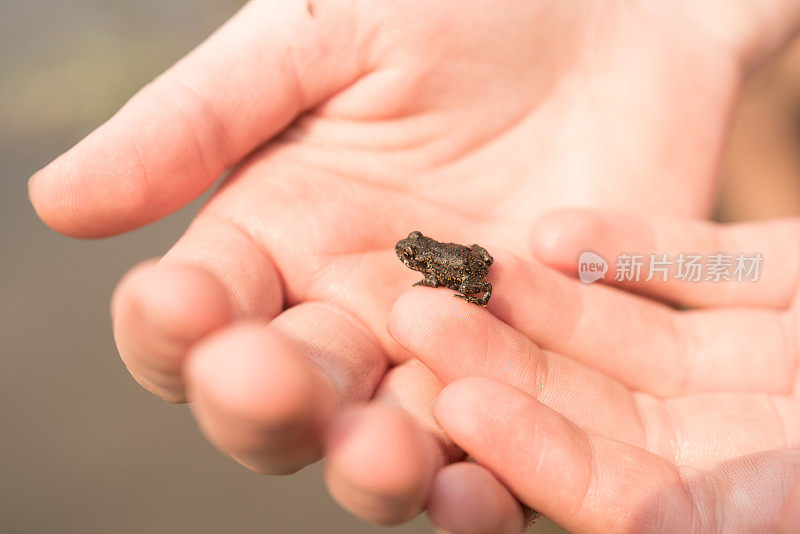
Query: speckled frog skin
pixel 454 266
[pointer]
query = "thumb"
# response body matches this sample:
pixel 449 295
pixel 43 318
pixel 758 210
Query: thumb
pixel 171 142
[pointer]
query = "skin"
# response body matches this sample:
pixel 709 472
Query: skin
pixel 348 123
pixel 689 422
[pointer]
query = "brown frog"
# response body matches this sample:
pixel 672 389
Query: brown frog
pixel 451 265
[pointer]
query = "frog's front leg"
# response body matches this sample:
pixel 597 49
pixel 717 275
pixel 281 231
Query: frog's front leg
pixel 430 280
pixel 468 289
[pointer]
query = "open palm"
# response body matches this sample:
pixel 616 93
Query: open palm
pixel 350 124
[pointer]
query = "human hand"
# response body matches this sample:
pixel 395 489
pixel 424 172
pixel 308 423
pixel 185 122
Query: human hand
pixel 627 414
pixel 363 121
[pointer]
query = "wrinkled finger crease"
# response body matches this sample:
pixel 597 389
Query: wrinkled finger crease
pixel 262 250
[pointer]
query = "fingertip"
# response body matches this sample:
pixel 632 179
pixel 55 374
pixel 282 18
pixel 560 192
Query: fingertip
pixel 183 301
pixel 87 193
pixel 253 374
pixel 380 465
pixel 36 196
pixel 560 236
pixel 458 404
pixel 468 499
pixel 258 399
pixel 404 313
pixel 122 292
pixel 31 187
pixel 158 312
pixel 50 205
pixel 421 316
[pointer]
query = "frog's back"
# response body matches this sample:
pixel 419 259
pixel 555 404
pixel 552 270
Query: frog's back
pixel 451 249
pixel 455 262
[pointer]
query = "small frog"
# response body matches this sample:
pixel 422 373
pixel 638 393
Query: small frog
pixel 451 265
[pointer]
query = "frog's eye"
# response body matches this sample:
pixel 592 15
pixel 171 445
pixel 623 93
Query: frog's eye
pixel 408 253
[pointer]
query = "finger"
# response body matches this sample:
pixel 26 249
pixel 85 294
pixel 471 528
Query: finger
pixel 159 312
pixel 258 399
pixel 399 491
pixel 267 394
pixel 467 499
pixel 561 236
pixel 455 340
pixel 172 140
pixel 215 273
pixel 660 351
pixel 380 464
pixel 588 483
pixel 401 434
pixel 584 483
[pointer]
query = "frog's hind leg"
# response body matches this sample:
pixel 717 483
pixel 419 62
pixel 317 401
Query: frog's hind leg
pixel 487 293
pixel 480 301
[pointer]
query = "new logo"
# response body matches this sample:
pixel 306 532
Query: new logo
pixel 591 267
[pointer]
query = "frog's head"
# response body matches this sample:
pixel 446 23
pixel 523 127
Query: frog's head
pixel 408 250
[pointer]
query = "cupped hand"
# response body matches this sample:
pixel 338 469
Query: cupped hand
pixel 348 125
pixel 611 412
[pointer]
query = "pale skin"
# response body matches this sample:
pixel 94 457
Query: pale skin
pixel 626 414
pixel 466 121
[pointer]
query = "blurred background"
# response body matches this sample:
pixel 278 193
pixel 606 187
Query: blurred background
pixel 82 447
